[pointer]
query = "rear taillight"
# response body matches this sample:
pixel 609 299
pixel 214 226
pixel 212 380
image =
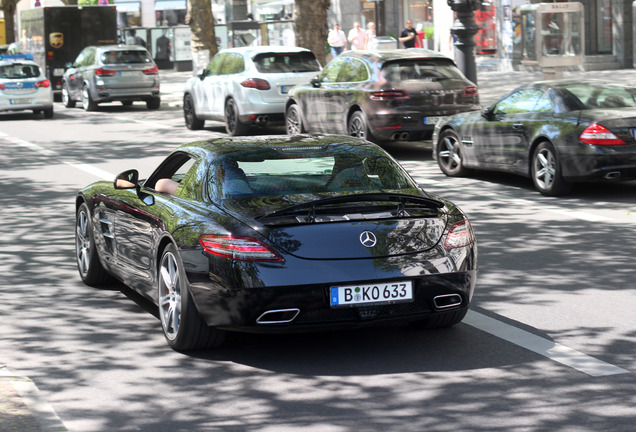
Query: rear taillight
pixel 104 72
pixel 151 71
pixel 239 248
pixel 470 91
pixel 2 87
pixel 43 84
pixel 596 134
pixel 460 234
pixel 389 95
pixel 256 83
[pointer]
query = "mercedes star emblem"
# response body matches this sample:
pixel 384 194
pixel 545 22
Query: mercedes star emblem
pixel 368 239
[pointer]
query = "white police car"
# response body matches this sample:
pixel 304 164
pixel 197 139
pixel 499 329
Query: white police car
pixel 23 85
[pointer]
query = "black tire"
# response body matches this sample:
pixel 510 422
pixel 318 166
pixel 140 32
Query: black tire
pixel 66 97
pixel 233 125
pixel 546 171
pixel 48 113
pixel 87 101
pixel 189 114
pixel 126 103
pixel 441 320
pixel 182 325
pixel 294 120
pixel 153 104
pixel 88 264
pixel 449 154
pixel 358 126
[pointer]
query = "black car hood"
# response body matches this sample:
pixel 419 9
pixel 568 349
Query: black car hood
pixel 348 236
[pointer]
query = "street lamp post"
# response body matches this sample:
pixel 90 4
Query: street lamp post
pixel 465 28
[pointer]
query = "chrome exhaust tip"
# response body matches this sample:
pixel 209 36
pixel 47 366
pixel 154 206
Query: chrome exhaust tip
pixel 447 301
pixel 613 175
pixel 278 316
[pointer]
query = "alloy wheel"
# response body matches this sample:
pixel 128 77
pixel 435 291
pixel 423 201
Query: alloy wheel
pixel 83 243
pixel 170 295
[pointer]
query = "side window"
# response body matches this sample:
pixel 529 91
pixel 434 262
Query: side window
pixel 233 64
pixel 214 67
pixel 519 102
pixel 330 72
pixel 90 57
pixel 79 61
pixel 544 104
pixel 173 171
pixel 353 70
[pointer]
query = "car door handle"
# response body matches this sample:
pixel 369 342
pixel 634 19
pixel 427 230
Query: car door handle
pixel 517 125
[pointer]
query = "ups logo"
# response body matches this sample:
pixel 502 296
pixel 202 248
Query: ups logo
pixel 56 39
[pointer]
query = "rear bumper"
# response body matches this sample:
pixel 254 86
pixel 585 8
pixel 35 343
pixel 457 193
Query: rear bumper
pixel 308 306
pixel 602 163
pixel 111 95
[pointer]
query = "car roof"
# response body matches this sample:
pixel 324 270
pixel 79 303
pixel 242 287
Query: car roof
pixel 253 50
pixel 396 54
pixel 118 47
pixel 221 146
pixel 17 58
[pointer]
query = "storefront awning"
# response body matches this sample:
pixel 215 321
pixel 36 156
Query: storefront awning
pixel 170 4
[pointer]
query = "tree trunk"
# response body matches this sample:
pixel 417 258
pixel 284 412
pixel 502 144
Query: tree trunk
pixel 311 26
pixel 202 35
pixel 8 8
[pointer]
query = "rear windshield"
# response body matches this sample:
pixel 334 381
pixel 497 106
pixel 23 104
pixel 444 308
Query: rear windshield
pixel 420 69
pixel 286 62
pixel 19 71
pixel 603 96
pixel 334 168
pixel 126 57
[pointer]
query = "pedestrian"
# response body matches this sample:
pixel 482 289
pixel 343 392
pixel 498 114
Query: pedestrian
pixel 357 37
pixel 408 37
pixel 370 34
pixel 337 40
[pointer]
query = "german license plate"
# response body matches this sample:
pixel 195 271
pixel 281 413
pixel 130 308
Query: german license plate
pixel 382 293
pixel 20 101
pixel 284 89
pixel 432 120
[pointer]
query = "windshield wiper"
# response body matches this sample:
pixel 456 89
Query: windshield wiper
pixel 309 208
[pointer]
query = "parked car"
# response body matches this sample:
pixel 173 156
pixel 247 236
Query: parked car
pixel 278 233
pixel 109 73
pixel 556 132
pixel 24 86
pixel 381 95
pixel 246 86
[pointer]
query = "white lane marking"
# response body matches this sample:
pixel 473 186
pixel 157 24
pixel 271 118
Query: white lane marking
pixel 36 148
pixel 104 175
pixel 554 351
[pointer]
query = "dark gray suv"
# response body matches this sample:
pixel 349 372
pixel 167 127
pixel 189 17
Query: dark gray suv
pixel 109 73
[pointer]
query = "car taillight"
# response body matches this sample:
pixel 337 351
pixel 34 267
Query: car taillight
pixel 104 72
pixel 596 134
pixel 460 234
pixel 43 84
pixel 151 71
pixel 257 83
pixel 2 87
pixel 239 248
pixel 470 91
pixel 389 95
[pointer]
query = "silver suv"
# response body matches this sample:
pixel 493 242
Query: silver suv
pixel 109 73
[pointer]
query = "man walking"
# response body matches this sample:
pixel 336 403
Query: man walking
pixel 337 40
pixel 408 37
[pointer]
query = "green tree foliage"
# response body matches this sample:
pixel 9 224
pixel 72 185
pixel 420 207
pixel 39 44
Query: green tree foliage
pixel 311 26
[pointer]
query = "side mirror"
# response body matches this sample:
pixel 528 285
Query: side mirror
pixel 202 74
pixel 487 113
pixel 315 81
pixel 127 180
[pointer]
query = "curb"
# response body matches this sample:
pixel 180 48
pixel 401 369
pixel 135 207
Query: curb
pixel 23 408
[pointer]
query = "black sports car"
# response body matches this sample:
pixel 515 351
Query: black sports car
pixel 556 132
pixel 278 233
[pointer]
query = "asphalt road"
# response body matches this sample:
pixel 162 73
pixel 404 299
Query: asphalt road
pixel 548 345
